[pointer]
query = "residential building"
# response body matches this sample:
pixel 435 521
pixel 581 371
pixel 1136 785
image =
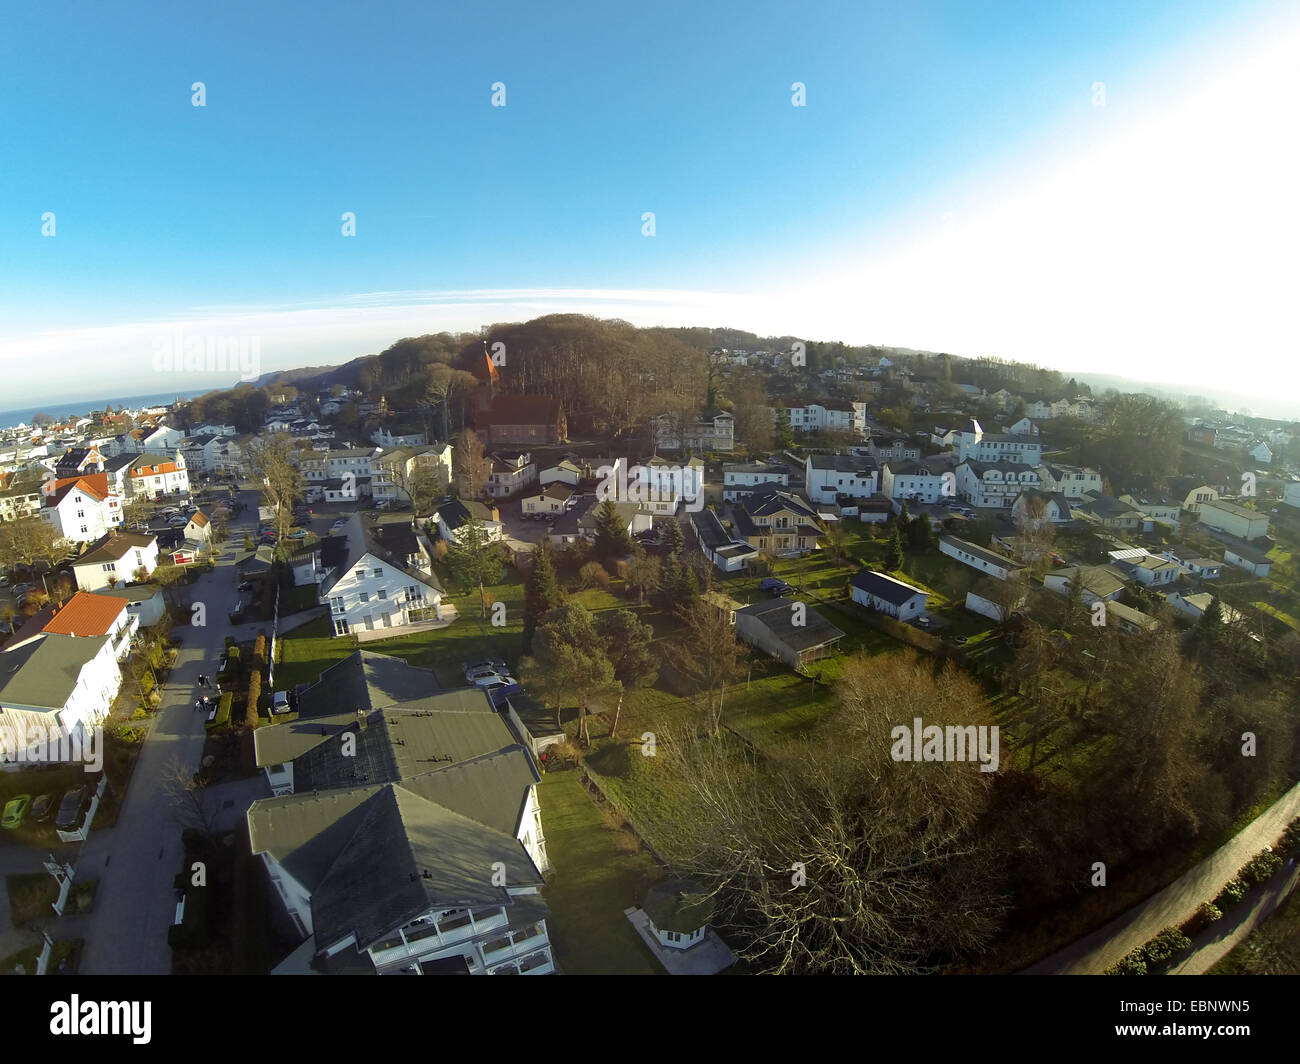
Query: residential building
pixel 510 473
pixel 1155 508
pixel 739 480
pixel 552 499
pixel 995 484
pixel 1129 620
pixel 896 450
pixel 1072 481
pixel 85 616
pixel 718 545
pixel 1261 452
pixel 789 630
pixel 1291 494
pixel 82 508
pixel 828 476
pixel 971 442
pixel 376 588
pixel 1152 571
pixel 1244 556
pixel 877 591
pixel 986 561
pixel 1194 495
pixel 917 481
pixel 715 431
pixel 1234 519
pixel 1108 512
pixel 777 523
pixel 1034 509
pixel 565 471
pixel 23 499
pixel 144 602
pixel 828 415
pixel 453 514
pixel 1096 581
pixel 390 810
pixel 148 475
pixel 54 685
pixel 350 474
pixel 117 558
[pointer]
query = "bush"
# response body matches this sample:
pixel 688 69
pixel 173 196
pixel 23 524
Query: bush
pixel 1169 942
pixel 140 714
pixel 1133 964
pixel 1232 893
pixel 1206 913
pixel 1260 868
pixel 223 711
pixel 592 574
pixel 259 651
pixel 1290 840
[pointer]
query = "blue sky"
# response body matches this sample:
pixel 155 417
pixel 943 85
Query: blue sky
pixel 924 122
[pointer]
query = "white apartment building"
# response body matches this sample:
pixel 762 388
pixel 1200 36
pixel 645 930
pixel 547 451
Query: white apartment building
pixel 827 476
pixel 739 480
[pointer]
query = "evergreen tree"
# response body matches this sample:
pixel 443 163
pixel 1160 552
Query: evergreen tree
pixel 673 540
pixel 542 591
pixel 920 536
pixel 894 554
pixel 782 431
pixel 612 540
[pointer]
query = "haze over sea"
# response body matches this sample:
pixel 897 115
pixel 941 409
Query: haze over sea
pixel 60 409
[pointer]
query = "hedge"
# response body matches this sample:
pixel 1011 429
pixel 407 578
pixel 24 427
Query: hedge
pixel 1169 942
pixel 1133 964
pixel 1260 868
pixel 223 711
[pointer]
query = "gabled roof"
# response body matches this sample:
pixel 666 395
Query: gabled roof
pixel 93 484
pixel 86 615
pixel 44 672
pixel 114 547
pixel 521 410
pixel 884 587
pixel 199 518
pixel 362 539
pixel 709 529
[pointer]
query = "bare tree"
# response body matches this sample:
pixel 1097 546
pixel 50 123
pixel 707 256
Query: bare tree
pixel 709 656
pixel 471 465
pixel 191 806
pixel 272 462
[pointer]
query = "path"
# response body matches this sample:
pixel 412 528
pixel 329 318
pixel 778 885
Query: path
pixel 1170 907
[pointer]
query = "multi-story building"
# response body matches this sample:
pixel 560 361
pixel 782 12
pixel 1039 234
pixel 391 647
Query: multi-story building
pixel 994 483
pixel 405 834
pixel 971 442
pixel 739 480
pixel 777 522
pixel 1234 519
pixel 828 476
pixel 917 481
pixel 20 499
pixel 349 474
pixel 1069 480
pixel 394 472
pixel 509 473
pixel 148 476
pixel 117 558
pixel 715 431
pixel 82 508
pixel 830 415
pixel 376 587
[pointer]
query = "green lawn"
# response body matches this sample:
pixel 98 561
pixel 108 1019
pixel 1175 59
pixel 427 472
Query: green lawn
pixel 598 871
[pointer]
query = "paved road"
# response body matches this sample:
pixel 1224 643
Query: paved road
pixel 137 859
pixel 1094 953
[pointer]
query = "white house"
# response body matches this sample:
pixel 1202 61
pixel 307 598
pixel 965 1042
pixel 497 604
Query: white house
pixel 434 777
pixel 81 509
pixel 372 589
pixel 144 602
pixel 117 558
pixel 54 686
pixel 1235 520
pixel 1024 427
pixel 199 528
pixel 1195 605
pixel 980 558
pixel 393 472
pixel 452 514
pixel 350 474
pixel 1261 452
pixel 972 442
pixel 1246 557
pixel 509 473
pixel 1291 494
pixel 385 439
pixel 565 471
pixel 149 475
pixel 738 480
pixel 1153 509
pixel 550 500
pixel 994 483
pixel 715 431
pixel 828 416
pixel 1033 509
pixel 880 592
pixel 916 481
pixel 1072 481
pixel 1153 571
pixel 827 476
pixel 716 543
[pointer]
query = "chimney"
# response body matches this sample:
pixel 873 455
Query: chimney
pixel 361 719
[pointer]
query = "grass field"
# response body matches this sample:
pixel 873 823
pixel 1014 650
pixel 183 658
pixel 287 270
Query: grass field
pixel 598 871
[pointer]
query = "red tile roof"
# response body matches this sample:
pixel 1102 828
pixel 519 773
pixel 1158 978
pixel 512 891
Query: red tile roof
pixel 93 484
pixel 85 614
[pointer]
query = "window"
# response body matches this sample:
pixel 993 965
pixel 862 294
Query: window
pixel 340 627
pixel 360 574
pixel 383 594
pixel 364 596
pixel 379 572
pixel 336 604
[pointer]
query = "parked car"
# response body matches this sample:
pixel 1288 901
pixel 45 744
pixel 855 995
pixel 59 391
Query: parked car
pixel 301 522
pixel 494 679
pixel 15 811
pixel 299 533
pixel 178 521
pixel 501 688
pixel 72 810
pixel 778 588
pixel 481 667
pixel 280 703
pixel 42 808
pixel 339 525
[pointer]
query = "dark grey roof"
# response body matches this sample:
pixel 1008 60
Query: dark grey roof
pixel 44 672
pixel 363 539
pixel 843 463
pixel 777 615
pixel 709 529
pixel 884 587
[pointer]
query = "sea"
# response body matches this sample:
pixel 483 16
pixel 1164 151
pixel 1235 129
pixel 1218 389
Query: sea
pixel 60 409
